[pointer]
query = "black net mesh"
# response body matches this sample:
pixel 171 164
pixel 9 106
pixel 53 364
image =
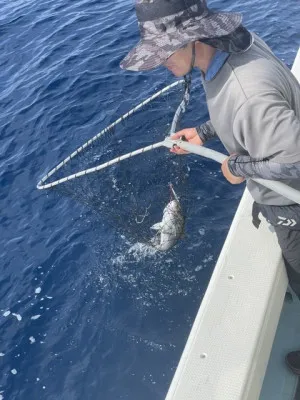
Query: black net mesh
pixel 130 196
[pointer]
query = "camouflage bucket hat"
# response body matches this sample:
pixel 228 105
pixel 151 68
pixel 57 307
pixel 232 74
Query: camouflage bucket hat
pixel 167 25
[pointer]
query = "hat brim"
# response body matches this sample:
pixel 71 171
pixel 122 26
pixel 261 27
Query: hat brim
pixel 153 51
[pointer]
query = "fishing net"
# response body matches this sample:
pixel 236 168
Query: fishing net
pixel 130 195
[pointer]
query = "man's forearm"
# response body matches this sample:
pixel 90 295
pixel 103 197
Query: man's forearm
pixel 247 167
pixel 206 131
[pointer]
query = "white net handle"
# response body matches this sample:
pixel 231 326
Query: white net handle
pixel 278 187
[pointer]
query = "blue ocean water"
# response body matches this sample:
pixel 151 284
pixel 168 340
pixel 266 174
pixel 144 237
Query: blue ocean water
pixel 80 316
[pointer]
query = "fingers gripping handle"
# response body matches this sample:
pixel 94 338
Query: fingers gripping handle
pixel 278 187
pixel 195 149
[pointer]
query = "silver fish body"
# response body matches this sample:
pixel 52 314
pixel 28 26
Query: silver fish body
pixel 171 228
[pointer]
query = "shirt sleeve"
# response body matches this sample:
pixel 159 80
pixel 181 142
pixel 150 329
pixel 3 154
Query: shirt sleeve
pixel 206 131
pixel 267 128
pixel 248 167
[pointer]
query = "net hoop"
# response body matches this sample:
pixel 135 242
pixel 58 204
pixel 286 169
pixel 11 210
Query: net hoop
pixel 42 183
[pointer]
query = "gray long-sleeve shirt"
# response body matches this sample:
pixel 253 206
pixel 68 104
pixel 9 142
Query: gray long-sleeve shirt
pixel 254 107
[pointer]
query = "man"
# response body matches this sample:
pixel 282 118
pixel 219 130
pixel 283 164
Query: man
pixel 253 101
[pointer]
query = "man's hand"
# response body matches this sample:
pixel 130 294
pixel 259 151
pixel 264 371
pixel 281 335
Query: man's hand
pixel 190 135
pixel 235 180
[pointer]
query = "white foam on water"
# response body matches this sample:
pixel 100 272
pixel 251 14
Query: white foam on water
pixel 150 343
pixel 208 258
pixel 35 316
pixel 37 379
pixel 18 316
pixel 38 290
pixel 141 250
pixel 6 314
pixel 1 397
pixel 32 340
pixel 194 245
pixel 14 371
pixel 49 297
pixel 119 260
pixel 114 181
pixel 138 251
pixel 2 354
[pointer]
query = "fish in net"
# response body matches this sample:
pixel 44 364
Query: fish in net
pixel 140 194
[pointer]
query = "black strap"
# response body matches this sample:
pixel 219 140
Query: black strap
pixel 255 215
pixel 188 76
pixel 193 56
